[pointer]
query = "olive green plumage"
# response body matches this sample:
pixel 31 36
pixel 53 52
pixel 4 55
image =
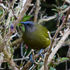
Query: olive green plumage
pixel 36 36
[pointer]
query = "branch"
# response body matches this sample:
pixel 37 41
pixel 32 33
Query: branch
pixel 53 39
pixel 68 1
pixel 19 18
pixel 10 60
pixel 3 48
pixel 2 5
pixel 58 46
pixel 18 41
pixel 52 17
pixel 37 10
pixel 21 15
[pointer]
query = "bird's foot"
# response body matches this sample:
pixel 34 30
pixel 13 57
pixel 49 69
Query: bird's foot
pixel 32 58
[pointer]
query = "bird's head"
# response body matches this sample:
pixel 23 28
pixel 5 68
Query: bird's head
pixel 29 25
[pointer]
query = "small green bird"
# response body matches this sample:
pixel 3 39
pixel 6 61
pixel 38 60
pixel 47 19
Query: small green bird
pixel 35 35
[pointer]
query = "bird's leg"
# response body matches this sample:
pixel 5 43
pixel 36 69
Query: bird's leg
pixel 21 48
pixel 40 53
pixel 32 56
pixel 32 59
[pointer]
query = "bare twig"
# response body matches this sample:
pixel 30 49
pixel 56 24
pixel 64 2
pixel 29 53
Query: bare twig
pixel 31 10
pixel 52 17
pixel 60 27
pixel 37 10
pixel 68 1
pixel 6 54
pixel 20 16
pixel 60 43
pixel 68 53
pixel 58 46
pixel 4 44
pixel 18 41
pixel 2 5
pixel 10 60
pixel 52 42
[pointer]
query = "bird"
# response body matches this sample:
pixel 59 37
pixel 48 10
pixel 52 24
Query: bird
pixel 35 36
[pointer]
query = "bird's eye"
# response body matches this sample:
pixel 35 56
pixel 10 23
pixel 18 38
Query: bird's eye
pixel 27 24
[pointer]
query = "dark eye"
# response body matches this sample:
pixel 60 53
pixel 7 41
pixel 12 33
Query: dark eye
pixel 28 24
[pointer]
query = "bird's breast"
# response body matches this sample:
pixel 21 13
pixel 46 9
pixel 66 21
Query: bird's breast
pixel 35 41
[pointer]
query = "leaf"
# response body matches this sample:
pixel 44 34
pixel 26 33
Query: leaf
pixel 23 28
pixel 64 59
pixel 63 7
pixel 12 18
pixel 54 10
pixel 1 13
pixel 12 50
pixel 55 6
pixel 26 17
pixel 19 24
pixel 52 68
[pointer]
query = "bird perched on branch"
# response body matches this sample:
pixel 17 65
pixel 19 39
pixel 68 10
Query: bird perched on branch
pixel 35 35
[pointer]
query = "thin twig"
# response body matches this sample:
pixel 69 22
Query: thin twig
pixel 52 41
pixel 52 17
pixel 58 46
pixel 37 10
pixel 60 43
